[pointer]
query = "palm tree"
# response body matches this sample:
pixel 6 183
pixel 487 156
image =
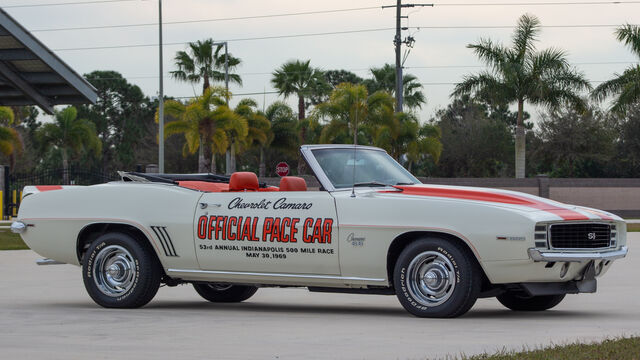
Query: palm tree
pixel 626 87
pixel 204 122
pixel 283 121
pixel 257 130
pixel 10 139
pixel 402 135
pixel 521 73
pixel 204 63
pixel 71 136
pixel 350 110
pixel 283 134
pixel 297 78
pixel 384 78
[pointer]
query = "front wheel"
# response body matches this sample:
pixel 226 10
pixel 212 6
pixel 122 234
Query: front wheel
pixel 227 293
pixel 119 272
pixel 516 302
pixel 436 278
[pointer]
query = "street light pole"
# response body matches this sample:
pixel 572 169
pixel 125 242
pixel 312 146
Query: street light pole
pixel 226 70
pixel 160 97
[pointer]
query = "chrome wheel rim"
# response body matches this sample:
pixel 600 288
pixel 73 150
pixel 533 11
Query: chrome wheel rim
pixel 114 271
pixel 431 278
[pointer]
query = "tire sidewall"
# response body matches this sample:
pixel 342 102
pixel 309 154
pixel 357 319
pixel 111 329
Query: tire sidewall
pixel 141 261
pixel 465 281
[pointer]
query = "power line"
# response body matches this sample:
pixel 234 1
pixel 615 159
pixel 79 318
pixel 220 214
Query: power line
pixel 210 20
pixel 229 40
pixel 367 69
pixel 277 92
pixel 544 3
pixel 234 94
pixel 338 33
pixel 513 26
pixel 301 13
pixel 481 66
pixel 456 83
pixel 66 3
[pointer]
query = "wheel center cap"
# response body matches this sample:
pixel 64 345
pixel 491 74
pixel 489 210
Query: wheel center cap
pixel 113 270
pixel 431 278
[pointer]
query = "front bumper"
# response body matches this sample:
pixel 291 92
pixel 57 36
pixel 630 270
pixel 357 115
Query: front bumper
pixel 548 256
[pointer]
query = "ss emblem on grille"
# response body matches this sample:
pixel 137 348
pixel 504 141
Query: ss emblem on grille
pixel 591 236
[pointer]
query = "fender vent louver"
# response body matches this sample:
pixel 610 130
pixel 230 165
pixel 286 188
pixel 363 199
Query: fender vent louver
pixel 165 240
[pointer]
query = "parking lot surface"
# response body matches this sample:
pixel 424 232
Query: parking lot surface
pixel 45 313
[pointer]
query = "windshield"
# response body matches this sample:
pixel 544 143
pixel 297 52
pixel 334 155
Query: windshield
pixel 370 168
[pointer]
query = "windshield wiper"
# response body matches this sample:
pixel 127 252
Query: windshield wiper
pixel 405 183
pixel 371 183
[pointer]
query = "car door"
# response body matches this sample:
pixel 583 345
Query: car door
pixel 271 232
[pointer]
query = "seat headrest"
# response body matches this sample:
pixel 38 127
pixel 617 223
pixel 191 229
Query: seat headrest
pixel 292 183
pixel 241 181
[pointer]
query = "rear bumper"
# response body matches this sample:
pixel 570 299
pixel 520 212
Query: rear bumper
pixel 548 256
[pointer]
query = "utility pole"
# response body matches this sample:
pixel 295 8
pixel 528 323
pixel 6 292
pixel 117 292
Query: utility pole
pixel 398 44
pixel 397 41
pixel 160 98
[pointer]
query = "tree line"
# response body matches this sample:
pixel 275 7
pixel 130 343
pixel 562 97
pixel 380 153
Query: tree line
pixel 476 135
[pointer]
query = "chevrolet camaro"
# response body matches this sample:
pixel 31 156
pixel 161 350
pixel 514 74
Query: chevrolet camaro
pixel 370 228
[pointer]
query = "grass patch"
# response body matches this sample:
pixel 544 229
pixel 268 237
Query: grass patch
pixel 619 349
pixel 11 241
pixel 633 227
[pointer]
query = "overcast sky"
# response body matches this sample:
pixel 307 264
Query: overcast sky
pixel 439 57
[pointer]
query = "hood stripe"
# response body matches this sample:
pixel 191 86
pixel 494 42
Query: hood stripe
pixel 564 213
pixel 48 187
pixel 597 213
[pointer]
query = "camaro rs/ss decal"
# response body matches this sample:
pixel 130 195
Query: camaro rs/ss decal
pixel 274 229
pixel 165 240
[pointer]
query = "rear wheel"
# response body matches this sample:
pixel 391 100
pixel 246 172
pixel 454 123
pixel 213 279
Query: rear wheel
pixel 436 278
pixel 119 272
pixel 218 292
pixel 517 302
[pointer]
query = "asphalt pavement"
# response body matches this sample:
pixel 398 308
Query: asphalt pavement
pixel 45 313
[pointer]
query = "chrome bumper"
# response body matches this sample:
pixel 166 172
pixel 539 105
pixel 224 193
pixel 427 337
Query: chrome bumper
pixel 538 255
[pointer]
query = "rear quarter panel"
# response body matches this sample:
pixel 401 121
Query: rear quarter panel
pixel 55 218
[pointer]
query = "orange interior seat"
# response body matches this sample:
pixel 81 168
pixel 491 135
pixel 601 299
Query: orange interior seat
pixel 292 183
pixel 243 181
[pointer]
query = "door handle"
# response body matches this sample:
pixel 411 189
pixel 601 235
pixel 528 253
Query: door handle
pixel 205 205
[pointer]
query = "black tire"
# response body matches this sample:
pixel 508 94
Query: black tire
pixel 439 260
pixel 225 293
pixel 120 272
pixel 517 302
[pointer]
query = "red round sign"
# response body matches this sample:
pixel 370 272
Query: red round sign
pixel 282 169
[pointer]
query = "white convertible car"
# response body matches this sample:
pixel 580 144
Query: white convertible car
pixel 370 228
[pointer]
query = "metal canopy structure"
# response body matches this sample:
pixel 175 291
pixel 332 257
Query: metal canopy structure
pixel 31 74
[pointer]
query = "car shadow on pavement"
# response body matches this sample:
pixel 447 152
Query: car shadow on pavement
pixel 533 315
pixel 355 309
pixel 280 308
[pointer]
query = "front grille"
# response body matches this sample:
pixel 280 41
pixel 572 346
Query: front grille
pixel 580 236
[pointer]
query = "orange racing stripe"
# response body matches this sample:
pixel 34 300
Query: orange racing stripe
pixel 566 214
